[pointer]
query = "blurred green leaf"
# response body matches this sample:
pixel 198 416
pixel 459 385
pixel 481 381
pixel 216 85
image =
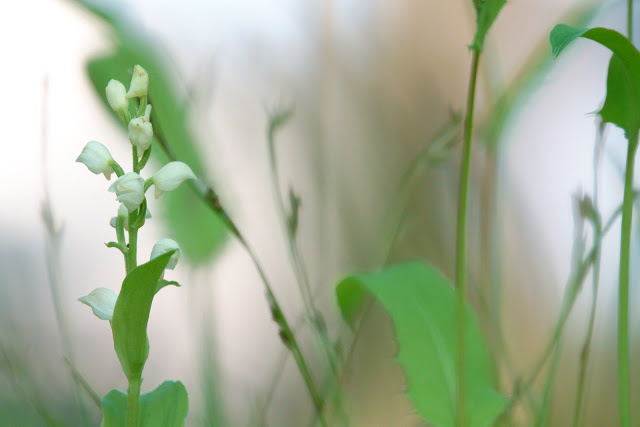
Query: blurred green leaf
pixel 199 231
pixel 488 11
pixel 131 315
pixel 529 76
pixel 114 409
pixel 166 406
pixel 622 103
pixel 422 306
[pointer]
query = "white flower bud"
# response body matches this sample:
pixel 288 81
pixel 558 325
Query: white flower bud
pixel 97 158
pixel 139 83
pixel 123 212
pixel 167 245
pixel 140 134
pixel 102 301
pixel 117 96
pixel 170 176
pixel 130 190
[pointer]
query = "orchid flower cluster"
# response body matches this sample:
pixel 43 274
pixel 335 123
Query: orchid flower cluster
pixel 130 189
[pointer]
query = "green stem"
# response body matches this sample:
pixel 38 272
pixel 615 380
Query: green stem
pixel 210 198
pixel 287 335
pixel 133 402
pixel 630 20
pixel 584 354
pixel 571 292
pixel 134 159
pixel 545 408
pixel 461 285
pixel 623 290
pixel 131 260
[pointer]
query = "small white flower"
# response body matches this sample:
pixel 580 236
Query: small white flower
pixel 97 158
pixel 167 245
pixel 130 190
pixel 102 301
pixel 117 96
pixel 170 176
pixel 139 83
pixel 141 134
pixel 123 212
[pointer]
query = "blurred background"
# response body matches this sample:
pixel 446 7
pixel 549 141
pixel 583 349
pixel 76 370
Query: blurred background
pixel 376 90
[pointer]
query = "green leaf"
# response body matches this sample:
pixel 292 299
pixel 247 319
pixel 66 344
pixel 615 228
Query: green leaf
pixel 131 315
pixel 114 409
pixel 488 11
pixel 199 231
pixel 529 76
pixel 422 306
pixel 622 103
pixel 166 406
pixel 162 283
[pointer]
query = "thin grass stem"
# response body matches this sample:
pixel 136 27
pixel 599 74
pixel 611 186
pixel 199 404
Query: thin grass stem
pixel 586 348
pixel 461 286
pixel 210 198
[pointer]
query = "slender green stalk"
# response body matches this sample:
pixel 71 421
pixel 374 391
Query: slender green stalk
pixel 300 272
pixel 461 285
pixel 625 250
pixel 570 295
pixel 288 338
pixel 210 198
pixel 623 290
pixel 584 354
pixel 134 159
pixel 545 407
pixel 630 20
pixel 133 402
pixel 132 253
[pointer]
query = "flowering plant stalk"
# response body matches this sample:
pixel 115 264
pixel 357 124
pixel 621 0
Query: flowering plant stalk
pixel 128 312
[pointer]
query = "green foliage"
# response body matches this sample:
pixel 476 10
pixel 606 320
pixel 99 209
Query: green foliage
pixel 199 231
pixel 166 406
pixel 622 103
pixel 131 315
pixel 487 11
pixel 422 306
pixel 529 76
pixel 162 283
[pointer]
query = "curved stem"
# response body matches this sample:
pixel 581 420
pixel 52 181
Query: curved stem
pixel 623 290
pixel 461 285
pixel 287 336
pixel 210 198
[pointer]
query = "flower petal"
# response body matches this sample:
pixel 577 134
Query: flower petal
pixel 102 301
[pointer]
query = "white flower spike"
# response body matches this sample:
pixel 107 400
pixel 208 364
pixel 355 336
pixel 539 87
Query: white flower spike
pixel 130 190
pixel 117 96
pixel 139 83
pixel 167 245
pixel 170 176
pixel 141 134
pixel 102 301
pixel 97 158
